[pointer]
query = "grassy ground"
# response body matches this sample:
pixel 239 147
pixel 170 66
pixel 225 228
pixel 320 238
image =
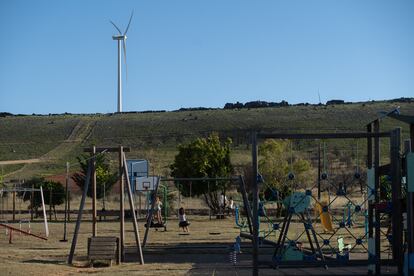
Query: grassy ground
pixel 154 136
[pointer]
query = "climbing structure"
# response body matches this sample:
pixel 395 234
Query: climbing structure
pixel 327 236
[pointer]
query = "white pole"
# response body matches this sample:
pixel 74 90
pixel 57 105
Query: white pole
pixel 119 77
pixel 44 212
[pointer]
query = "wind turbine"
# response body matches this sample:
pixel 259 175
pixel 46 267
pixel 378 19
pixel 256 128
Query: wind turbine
pixel 121 37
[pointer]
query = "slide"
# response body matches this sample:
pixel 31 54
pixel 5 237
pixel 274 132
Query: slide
pixel 326 219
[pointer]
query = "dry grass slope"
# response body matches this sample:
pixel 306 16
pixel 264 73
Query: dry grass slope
pixel 154 136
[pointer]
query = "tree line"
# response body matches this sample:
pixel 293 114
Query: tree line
pixel 236 105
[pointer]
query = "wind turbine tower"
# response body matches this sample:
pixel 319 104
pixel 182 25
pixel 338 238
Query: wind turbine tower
pixel 121 38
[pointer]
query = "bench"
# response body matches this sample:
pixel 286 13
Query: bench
pixel 114 213
pixel 107 213
pixel 103 248
pixel 220 216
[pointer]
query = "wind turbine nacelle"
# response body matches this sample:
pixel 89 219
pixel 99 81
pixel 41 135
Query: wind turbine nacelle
pixel 119 37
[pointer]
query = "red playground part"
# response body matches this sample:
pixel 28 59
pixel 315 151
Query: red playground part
pixel 11 228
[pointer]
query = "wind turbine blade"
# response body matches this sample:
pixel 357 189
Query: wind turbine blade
pixel 125 59
pixel 129 23
pixel 116 27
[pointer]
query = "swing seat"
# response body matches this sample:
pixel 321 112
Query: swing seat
pixel 156 225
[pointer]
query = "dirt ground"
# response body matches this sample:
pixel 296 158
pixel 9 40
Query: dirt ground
pixel 204 251
pixel 31 256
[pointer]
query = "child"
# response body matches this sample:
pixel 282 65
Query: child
pixel 230 207
pixel 222 202
pixel 158 205
pixel 183 220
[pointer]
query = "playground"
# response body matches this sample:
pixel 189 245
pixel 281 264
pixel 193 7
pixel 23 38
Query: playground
pixel 345 216
pixel 207 249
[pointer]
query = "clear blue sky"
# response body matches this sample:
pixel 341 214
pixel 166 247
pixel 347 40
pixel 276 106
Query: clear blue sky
pixel 59 56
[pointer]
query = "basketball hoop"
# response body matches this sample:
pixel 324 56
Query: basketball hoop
pixel 146 183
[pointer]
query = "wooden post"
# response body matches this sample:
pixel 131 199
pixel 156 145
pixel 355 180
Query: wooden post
pixel 319 171
pixel 179 198
pixel 14 204
pixel 66 203
pixel 410 211
pixel 104 198
pixel 32 203
pixel 209 208
pixel 369 147
pixel 134 217
pixel 397 225
pixel 50 204
pixel 94 230
pixel 153 195
pixel 69 206
pixel 121 204
pixel 255 206
pixel 412 136
pixel 79 219
pixel 377 200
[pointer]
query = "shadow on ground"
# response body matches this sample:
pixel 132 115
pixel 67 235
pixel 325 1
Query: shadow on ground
pixel 214 259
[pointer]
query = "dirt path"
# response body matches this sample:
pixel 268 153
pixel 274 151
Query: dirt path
pixel 24 161
pixel 79 133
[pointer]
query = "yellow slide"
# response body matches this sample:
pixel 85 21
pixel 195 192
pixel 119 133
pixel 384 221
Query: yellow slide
pixel 326 219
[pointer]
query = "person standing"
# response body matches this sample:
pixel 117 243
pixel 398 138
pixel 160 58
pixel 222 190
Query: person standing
pixel 222 203
pixel 230 207
pixel 183 223
pixel 158 208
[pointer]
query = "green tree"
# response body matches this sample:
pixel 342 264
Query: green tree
pixel 49 188
pixel 277 162
pixel 104 178
pixel 203 157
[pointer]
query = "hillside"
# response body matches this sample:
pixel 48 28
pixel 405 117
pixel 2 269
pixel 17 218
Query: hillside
pixel 59 138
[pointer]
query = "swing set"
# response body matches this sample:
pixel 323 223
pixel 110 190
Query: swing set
pixel 91 179
pixel 11 229
pixel 153 184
